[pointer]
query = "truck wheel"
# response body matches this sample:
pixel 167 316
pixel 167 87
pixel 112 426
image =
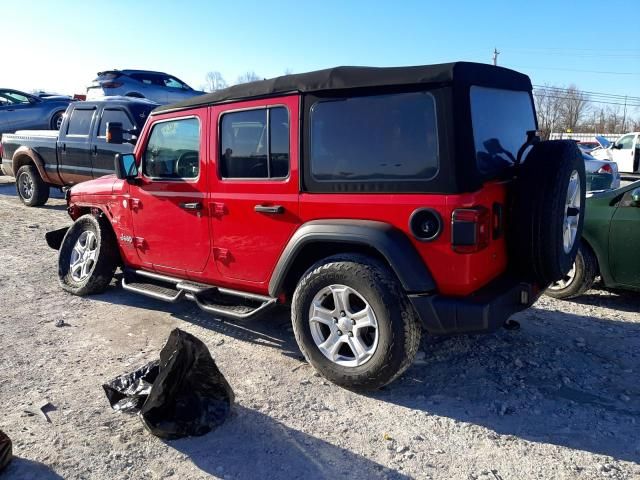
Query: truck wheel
pixel 31 188
pixel 88 256
pixel 353 322
pixel 579 279
pixel 547 213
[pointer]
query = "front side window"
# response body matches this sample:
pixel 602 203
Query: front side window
pixel 14 98
pixel 625 143
pixel 173 150
pixel 111 115
pixel 80 122
pixel 374 138
pixel 501 120
pixel 255 143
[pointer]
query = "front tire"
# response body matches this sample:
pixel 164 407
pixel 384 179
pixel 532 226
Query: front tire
pixel 354 323
pixel 88 256
pixel 579 279
pixel 31 189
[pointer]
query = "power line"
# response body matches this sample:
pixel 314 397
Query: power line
pixel 576 70
pixel 565 97
pixel 597 95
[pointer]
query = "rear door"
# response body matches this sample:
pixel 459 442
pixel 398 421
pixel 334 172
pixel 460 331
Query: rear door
pixel 624 240
pixel 74 157
pixel 254 203
pixel 103 153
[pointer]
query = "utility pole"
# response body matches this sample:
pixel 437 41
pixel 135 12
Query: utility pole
pixel 495 56
pixel 624 115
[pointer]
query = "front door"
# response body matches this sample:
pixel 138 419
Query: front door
pixel 623 153
pixel 254 200
pixel 624 242
pixel 169 202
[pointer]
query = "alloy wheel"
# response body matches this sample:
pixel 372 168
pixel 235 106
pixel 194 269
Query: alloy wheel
pixel 343 325
pixel 83 256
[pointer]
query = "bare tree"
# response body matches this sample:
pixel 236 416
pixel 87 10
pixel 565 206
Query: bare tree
pixel 573 107
pixel 548 110
pixel 215 81
pixel 247 77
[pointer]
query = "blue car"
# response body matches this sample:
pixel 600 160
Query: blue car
pixel 22 111
pixel 158 87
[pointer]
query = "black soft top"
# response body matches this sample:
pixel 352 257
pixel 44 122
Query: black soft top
pixel 343 78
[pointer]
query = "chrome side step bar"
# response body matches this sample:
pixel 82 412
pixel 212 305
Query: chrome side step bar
pixel 180 288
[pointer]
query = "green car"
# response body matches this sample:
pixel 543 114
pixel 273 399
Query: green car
pixel 610 244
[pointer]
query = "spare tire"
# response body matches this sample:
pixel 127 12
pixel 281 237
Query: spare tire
pixel 547 211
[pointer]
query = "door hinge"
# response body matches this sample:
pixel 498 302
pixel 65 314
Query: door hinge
pixel 139 242
pixel 135 203
pixel 218 209
pixel 221 254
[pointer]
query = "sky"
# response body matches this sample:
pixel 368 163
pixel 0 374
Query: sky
pixel 59 46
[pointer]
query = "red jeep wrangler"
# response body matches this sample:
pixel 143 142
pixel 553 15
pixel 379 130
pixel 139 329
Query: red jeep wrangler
pixel 376 201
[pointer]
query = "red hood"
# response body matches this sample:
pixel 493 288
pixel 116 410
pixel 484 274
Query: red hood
pixel 99 186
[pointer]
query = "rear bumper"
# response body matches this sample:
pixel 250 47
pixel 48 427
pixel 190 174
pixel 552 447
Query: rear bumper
pixel 484 311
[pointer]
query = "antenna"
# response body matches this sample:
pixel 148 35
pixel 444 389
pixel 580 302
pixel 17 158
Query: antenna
pixel 495 56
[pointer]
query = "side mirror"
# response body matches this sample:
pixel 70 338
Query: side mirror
pixel 635 197
pixel 616 146
pixel 115 133
pixel 125 166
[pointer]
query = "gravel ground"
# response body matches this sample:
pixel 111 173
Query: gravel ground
pixel 559 398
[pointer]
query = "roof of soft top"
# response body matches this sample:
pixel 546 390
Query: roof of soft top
pixel 128 71
pixel 341 78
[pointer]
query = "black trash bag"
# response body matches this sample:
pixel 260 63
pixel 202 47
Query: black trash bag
pixel 6 450
pixel 189 395
pixel 127 393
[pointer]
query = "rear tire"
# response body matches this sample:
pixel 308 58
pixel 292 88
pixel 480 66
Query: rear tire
pixel 579 279
pixel 365 357
pixel 56 120
pixel 545 225
pixel 31 189
pixel 88 256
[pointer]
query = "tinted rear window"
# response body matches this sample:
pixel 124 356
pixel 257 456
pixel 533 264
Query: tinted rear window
pixel 374 138
pixel 501 119
pixel 80 122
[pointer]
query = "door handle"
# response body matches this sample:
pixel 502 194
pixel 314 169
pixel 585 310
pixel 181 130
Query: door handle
pixel 191 206
pixel 64 147
pixel 95 149
pixel 277 209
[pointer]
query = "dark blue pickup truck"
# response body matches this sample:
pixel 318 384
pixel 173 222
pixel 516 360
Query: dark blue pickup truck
pixel 77 152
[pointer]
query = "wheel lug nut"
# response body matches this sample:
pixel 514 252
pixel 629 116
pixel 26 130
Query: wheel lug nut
pixel 339 332
pixel 342 314
pixel 350 334
pixel 335 319
pixel 353 322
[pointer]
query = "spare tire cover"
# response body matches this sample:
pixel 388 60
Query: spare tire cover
pixel 547 211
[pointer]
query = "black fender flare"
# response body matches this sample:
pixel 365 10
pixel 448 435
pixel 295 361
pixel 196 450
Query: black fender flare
pixel 388 240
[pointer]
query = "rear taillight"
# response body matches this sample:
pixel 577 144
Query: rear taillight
pixel 605 169
pixel 1 151
pixel 110 84
pixel 470 229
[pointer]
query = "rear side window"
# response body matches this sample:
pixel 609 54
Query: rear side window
pixel 374 138
pixel 80 122
pixel 173 150
pixel 255 143
pixel 501 119
pixel 110 115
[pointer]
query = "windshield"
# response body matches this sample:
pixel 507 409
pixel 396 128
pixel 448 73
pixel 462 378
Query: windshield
pixel 501 120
